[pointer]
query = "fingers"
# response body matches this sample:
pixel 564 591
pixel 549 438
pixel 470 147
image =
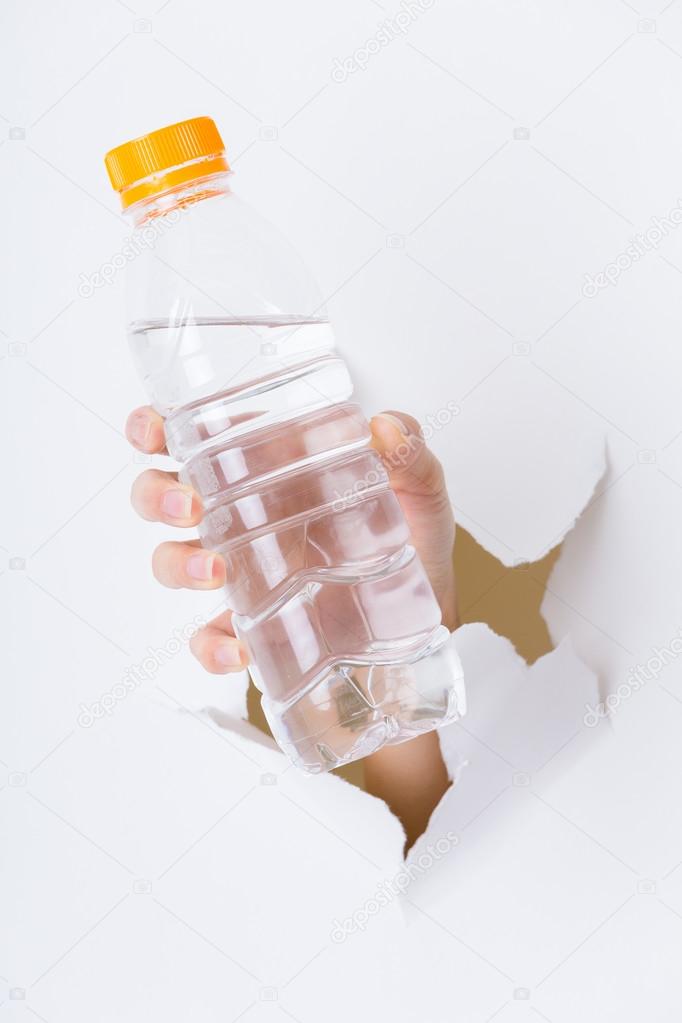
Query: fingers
pixel 217 649
pixel 158 497
pixel 411 467
pixel 144 430
pixel 188 566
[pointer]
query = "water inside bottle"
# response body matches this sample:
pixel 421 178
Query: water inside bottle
pixel 330 598
pixel 192 358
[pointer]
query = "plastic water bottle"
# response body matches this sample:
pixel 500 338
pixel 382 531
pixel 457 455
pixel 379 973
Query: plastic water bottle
pixel 231 340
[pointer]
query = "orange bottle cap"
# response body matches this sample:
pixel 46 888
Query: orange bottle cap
pixel 171 156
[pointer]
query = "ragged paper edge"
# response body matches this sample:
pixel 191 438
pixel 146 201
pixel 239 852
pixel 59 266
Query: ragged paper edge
pixel 235 720
pixel 586 491
pixel 537 729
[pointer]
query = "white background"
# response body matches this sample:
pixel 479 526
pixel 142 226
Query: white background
pixel 450 196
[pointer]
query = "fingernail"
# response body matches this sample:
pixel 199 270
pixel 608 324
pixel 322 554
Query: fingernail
pixel 394 421
pixel 140 428
pixel 229 655
pixel 200 566
pixel 177 504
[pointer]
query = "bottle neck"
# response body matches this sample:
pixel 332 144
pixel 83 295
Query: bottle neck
pixel 177 198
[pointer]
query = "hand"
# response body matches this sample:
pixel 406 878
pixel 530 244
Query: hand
pixel 411 778
pixel 418 482
pixel 416 477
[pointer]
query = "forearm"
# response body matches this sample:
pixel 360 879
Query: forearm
pixel 411 778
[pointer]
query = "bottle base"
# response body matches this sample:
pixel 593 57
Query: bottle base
pixel 358 708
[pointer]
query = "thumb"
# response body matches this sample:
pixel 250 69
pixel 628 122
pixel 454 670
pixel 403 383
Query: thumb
pixel 411 467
